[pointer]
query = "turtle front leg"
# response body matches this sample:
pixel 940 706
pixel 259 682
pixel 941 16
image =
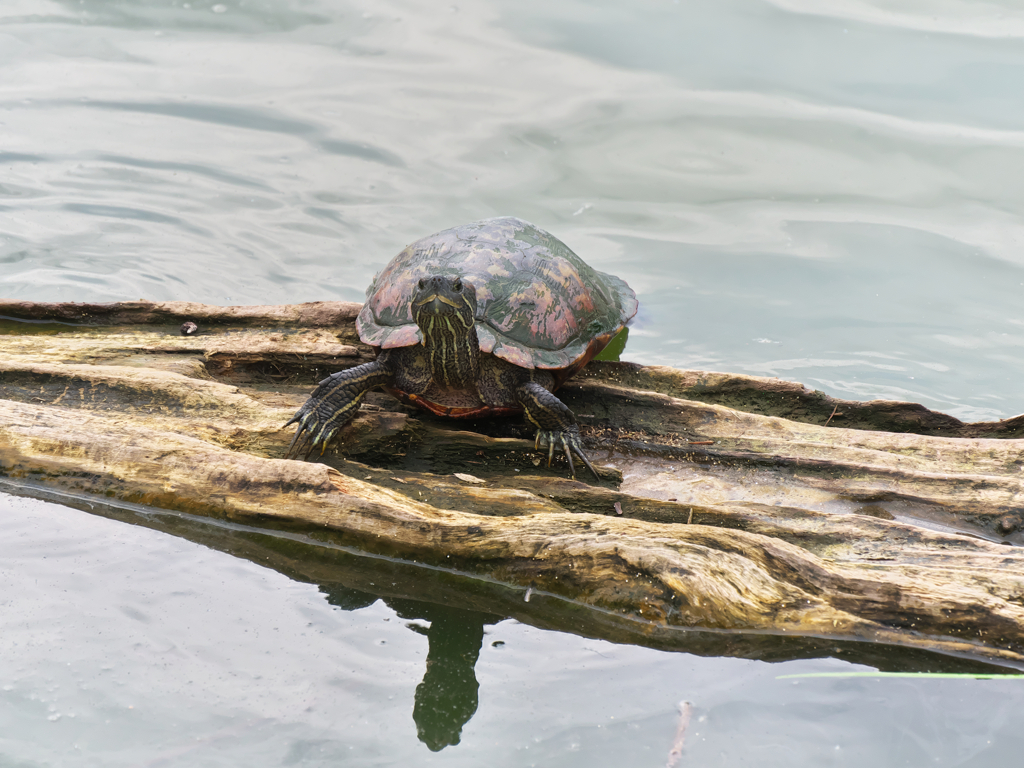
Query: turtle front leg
pixel 333 404
pixel 555 423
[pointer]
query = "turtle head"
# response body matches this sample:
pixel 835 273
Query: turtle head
pixel 445 310
pixel 444 300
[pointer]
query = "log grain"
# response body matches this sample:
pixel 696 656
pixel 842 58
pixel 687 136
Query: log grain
pixel 727 503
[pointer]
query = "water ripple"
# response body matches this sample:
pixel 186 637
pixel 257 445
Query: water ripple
pixel 247 118
pixel 136 214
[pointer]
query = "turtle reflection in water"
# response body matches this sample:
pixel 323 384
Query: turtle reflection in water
pixel 486 318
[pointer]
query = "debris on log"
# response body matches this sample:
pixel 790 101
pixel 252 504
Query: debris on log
pixel 726 502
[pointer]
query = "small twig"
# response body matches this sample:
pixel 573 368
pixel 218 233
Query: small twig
pixel 689 518
pixel 701 442
pixel 833 414
pixel 685 710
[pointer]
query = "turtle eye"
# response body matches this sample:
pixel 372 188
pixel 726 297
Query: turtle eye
pixel 457 285
pixel 422 284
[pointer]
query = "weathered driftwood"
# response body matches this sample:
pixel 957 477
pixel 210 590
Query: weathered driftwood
pixel 351 579
pixel 724 519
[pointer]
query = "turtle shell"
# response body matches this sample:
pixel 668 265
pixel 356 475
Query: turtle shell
pixel 538 304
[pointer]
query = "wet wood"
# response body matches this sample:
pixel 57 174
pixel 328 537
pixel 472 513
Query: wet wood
pixel 708 516
pixel 793 401
pixel 338 315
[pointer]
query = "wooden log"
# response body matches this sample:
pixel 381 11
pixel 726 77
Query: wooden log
pixel 795 402
pixel 708 517
pixel 339 315
pixel 351 579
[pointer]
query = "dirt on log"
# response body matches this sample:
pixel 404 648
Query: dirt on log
pixel 727 503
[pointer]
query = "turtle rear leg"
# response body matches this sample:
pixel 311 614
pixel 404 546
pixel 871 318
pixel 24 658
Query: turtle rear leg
pixel 555 423
pixel 333 404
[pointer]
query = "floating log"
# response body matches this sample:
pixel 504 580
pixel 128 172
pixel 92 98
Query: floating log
pixel 727 503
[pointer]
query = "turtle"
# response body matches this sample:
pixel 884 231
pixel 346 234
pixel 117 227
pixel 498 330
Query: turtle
pixel 487 318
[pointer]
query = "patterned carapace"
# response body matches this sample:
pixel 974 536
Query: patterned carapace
pixel 538 304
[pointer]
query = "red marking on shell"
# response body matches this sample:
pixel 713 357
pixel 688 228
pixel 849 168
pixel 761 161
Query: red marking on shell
pixel 514 355
pixel 556 359
pixel 594 348
pixel 535 314
pixel 403 336
pixel 485 337
pixel 369 332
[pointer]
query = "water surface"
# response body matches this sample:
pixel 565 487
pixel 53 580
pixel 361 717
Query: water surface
pixel 124 646
pixel 826 192
pixel 828 196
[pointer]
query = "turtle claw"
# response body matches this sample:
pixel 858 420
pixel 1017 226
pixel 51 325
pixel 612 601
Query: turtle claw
pixel 311 434
pixel 570 442
pixel 332 405
pixel 299 440
pixel 568 456
pixel 304 441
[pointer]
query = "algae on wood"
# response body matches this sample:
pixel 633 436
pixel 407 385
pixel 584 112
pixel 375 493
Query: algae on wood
pixel 723 519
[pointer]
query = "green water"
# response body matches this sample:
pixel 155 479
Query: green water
pixel 828 192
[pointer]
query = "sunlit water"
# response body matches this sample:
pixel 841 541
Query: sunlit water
pixel 829 192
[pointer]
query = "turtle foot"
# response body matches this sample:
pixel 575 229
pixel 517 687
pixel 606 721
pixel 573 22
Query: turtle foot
pixel 569 441
pixel 309 436
pixel 332 405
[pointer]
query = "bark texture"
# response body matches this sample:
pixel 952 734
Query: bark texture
pixel 726 502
